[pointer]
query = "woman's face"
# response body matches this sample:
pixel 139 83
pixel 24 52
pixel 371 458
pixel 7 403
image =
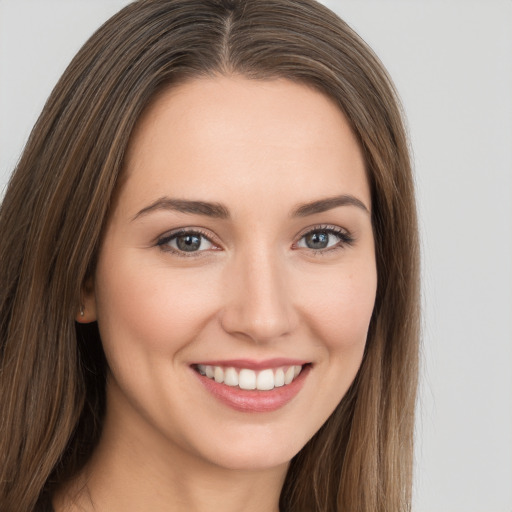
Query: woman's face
pixel 240 246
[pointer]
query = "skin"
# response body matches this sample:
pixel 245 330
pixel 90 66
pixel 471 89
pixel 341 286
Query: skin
pixel 256 291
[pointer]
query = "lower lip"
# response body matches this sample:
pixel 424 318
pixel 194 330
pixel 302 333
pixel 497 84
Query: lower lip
pixel 255 400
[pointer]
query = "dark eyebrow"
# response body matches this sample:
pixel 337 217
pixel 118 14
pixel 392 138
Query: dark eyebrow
pixel 328 203
pixel 215 210
pixel 219 211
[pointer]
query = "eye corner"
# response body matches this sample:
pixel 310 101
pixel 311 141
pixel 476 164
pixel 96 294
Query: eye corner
pixel 170 242
pixel 323 234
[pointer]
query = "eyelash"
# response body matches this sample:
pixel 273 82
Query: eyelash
pixel 166 239
pixel 345 239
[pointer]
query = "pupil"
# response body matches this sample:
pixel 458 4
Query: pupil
pixel 188 243
pixel 318 240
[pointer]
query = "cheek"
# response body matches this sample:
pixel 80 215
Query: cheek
pixel 148 308
pixel 339 315
pixel 341 309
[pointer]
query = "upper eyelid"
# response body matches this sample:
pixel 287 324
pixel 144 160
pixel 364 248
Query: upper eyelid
pixel 323 227
pixel 346 237
pixel 212 238
pixel 208 234
pixel 181 231
pixel 163 243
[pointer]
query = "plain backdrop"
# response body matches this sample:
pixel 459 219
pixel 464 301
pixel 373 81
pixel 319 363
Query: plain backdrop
pixel 452 64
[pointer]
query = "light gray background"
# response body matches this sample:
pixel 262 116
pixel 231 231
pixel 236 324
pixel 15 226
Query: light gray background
pixel 452 63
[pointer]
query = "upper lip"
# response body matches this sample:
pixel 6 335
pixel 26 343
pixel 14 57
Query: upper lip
pixel 252 364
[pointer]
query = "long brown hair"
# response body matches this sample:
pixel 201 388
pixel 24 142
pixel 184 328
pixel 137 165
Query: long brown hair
pixel 52 370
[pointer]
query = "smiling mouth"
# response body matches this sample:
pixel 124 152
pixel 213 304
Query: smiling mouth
pixel 249 379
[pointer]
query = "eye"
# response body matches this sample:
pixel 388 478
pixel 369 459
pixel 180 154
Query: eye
pixel 322 238
pixel 186 242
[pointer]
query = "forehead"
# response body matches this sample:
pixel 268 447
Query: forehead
pixel 213 135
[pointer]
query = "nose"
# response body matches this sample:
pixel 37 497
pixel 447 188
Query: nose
pixel 259 301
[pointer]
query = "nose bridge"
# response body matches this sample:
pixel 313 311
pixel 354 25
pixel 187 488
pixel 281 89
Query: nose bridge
pixel 259 305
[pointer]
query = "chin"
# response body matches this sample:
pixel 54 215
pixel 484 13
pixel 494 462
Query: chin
pixel 254 449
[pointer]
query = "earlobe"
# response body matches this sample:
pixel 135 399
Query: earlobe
pixel 87 309
pixel 85 314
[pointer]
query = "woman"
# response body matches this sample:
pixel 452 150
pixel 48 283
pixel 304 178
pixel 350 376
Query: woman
pixel 209 271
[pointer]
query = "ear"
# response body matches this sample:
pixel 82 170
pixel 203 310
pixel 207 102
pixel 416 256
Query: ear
pixel 87 310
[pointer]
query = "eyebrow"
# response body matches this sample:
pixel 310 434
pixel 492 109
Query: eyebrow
pixel 215 210
pixel 219 211
pixel 328 203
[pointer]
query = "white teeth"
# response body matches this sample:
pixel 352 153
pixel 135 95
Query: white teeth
pixel 218 374
pixel 247 379
pixel 231 377
pixel 288 376
pixel 264 380
pixel 279 378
